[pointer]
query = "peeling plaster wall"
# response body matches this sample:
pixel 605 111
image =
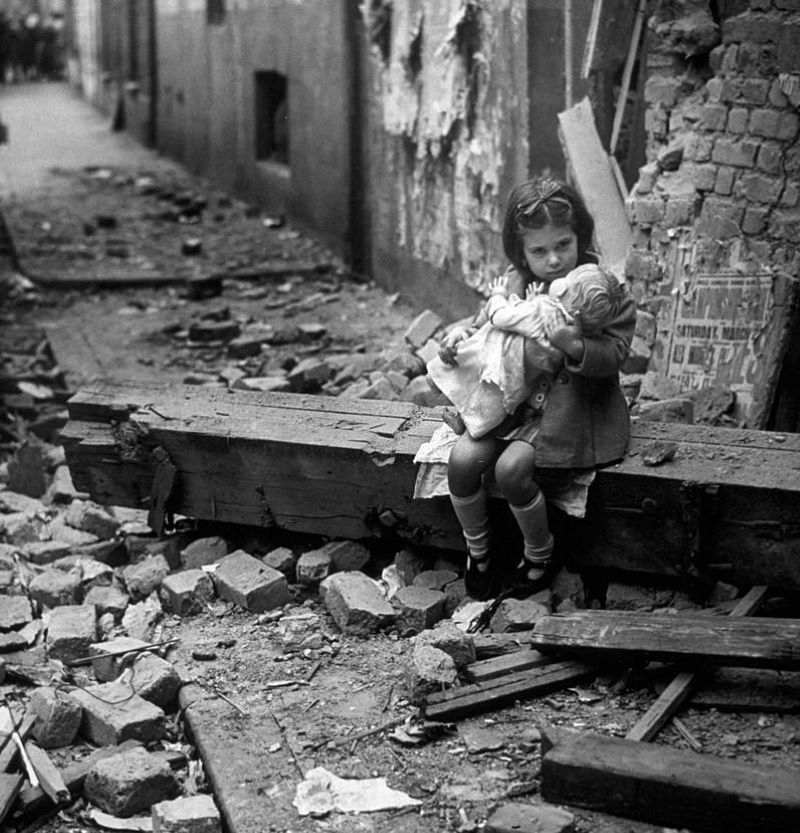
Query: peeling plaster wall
pixel 716 210
pixel 446 115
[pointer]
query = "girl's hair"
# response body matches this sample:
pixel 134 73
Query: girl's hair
pixel 539 202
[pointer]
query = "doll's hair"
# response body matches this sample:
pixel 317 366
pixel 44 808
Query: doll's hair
pixel 537 203
pixel 595 293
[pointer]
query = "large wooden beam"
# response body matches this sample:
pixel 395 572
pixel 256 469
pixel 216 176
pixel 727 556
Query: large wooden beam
pixel 695 640
pixel 344 468
pixel 668 787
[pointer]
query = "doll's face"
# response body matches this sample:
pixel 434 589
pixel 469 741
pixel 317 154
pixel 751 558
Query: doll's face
pixel 550 252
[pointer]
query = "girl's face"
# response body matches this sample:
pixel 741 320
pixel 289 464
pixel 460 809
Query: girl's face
pixel 550 251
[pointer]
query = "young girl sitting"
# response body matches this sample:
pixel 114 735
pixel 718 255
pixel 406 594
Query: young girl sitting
pixel 576 417
pixel 486 382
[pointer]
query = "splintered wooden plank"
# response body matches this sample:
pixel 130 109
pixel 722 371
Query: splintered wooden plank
pixel 679 689
pixel 667 787
pixel 10 786
pixel 595 181
pixel 498 693
pixel 603 635
pixel 521 660
pixel 50 777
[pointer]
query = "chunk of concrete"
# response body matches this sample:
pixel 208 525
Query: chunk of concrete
pixel 145 576
pixel 186 592
pixel 58 717
pixel 155 679
pixel 356 603
pixel 189 814
pixel 418 608
pixel 435 579
pixel 448 637
pixel 347 555
pixel 313 567
pixel 70 631
pixel 281 559
pixel 89 517
pixel 130 782
pixel 427 670
pixel 15 613
pixel 108 599
pixel 422 328
pixel 203 551
pixel 530 818
pixel 110 657
pixel 244 580
pixel 52 588
pixel 514 615
pixel 45 552
pixel 112 714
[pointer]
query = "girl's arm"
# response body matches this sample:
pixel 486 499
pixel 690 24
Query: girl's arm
pixel 600 355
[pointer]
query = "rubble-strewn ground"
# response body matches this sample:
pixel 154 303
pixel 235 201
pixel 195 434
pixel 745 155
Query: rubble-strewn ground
pixel 285 689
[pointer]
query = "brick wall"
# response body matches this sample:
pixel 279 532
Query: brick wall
pixel 719 195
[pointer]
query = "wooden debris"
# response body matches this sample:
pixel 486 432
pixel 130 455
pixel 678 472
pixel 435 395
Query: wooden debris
pixel 520 660
pixel 49 777
pixel 595 181
pixel 604 635
pixel 674 695
pixel 10 786
pixel 358 459
pixel 468 700
pixel 667 787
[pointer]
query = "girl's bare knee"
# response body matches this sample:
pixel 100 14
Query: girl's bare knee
pixel 469 459
pixel 514 473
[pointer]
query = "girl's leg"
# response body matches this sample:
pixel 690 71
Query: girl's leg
pixel 514 476
pixel 469 459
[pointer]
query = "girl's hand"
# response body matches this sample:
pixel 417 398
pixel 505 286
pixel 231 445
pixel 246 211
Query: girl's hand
pixel 499 286
pixel 448 346
pixel 567 337
pixel 532 290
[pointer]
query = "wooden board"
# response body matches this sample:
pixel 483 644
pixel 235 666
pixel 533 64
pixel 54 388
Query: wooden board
pixel 491 669
pixel 469 700
pixel 332 466
pixel 696 640
pixel 667 787
pixel 594 178
pixel 10 785
pixel 671 699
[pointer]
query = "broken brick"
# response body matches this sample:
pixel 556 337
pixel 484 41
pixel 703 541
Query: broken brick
pixel 203 551
pixel 145 576
pixel 244 580
pixel 52 588
pixel 418 608
pixel 155 679
pixel 107 599
pixel 92 518
pixel 108 661
pixel 188 814
pixel 70 631
pixel 15 612
pixel 313 566
pixel 422 328
pixel 129 782
pixel 58 717
pixel 186 592
pixel 356 603
pixel 113 713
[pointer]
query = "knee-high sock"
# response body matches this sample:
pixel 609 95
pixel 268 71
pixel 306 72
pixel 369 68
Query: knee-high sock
pixel 473 516
pixel 532 520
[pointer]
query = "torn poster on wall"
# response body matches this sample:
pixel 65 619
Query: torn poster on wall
pixel 723 335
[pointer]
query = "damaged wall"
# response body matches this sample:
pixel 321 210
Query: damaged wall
pixel 446 117
pixel 211 59
pixel 716 210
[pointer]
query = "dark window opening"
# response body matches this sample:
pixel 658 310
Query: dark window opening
pixel 215 12
pixel 272 117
